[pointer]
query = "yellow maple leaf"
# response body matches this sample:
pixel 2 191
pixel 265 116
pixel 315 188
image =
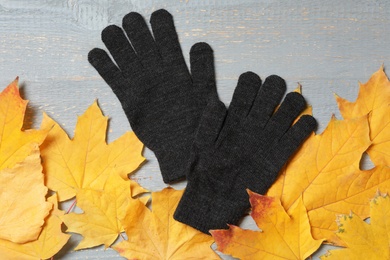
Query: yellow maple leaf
pixel 363 240
pixel 87 160
pixel 326 173
pixel 282 235
pixel 49 242
pixel 373 100
pixel 103 209
pixel 372 95
pixel 15 145
pixel 22 200
pixel 338 149
pixel 328 162
pixel 156 235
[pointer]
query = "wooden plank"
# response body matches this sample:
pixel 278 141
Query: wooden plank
pixel 326 47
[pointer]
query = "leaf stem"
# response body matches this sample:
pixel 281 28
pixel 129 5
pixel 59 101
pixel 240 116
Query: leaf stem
pixel 71 207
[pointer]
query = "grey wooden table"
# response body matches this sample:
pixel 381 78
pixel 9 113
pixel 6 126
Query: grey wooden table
pixel 327 46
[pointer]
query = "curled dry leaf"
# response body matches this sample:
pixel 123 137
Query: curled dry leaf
pixel 156 235
pixel 282 235
pixel 86 161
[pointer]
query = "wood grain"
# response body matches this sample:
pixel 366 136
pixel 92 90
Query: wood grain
pixel 327 46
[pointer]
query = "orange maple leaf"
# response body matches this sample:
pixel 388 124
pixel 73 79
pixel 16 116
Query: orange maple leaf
pixel 49 242
pixel 86 161
pixel 373 100
pixel 22 200
pixel 156 235
pixel 363 240
pixel 15 145
pixel 103 210
pixel 283 235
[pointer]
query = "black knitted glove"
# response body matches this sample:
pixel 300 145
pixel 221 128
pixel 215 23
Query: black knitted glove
pixel 241 148
pixel 161 99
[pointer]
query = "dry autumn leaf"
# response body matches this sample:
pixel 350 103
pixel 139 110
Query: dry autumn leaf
pixel 103 210
pixel 86 161
pixel 156 235
pixel 22 200
pixel 15 144
pixel 325 172
pixel 372 95
pixel 338 149
pixel 283 236
pixel 363 240
pixel 373 100
pixel 50 240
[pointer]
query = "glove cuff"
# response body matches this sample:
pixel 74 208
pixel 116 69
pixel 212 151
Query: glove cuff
pixel 173 164
pixel 205 211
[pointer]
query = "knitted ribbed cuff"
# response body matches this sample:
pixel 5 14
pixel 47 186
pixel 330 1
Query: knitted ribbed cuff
pixel 205 212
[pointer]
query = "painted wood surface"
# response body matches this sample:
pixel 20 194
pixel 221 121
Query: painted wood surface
pixel 326 46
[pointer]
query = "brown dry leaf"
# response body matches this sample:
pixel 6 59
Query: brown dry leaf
pixel 373 100
pixel 22 200
pixel 50 240
pixel 15 145
pixel 86 161
pixel 103 209
pixel 363 240
pixel 283 236
pixel 156 235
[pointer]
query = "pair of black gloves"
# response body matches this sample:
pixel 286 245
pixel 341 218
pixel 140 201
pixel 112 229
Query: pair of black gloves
pixel 177 114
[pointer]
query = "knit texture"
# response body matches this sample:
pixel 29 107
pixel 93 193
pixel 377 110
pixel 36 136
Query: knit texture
pixel 162 100
pixel 241 148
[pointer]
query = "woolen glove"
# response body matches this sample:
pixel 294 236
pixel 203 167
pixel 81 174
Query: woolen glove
pixel 241 148
pixel 162 100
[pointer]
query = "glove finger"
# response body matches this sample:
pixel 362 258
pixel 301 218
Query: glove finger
pixel 202 65
pixel 211 122
pixel 142 40
pixel 242 101
pixel 100 60
pixel 166 37
pixel 290 142
pixel 269 96
pixel 245 93
pixel 121 50
pixel 289 110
